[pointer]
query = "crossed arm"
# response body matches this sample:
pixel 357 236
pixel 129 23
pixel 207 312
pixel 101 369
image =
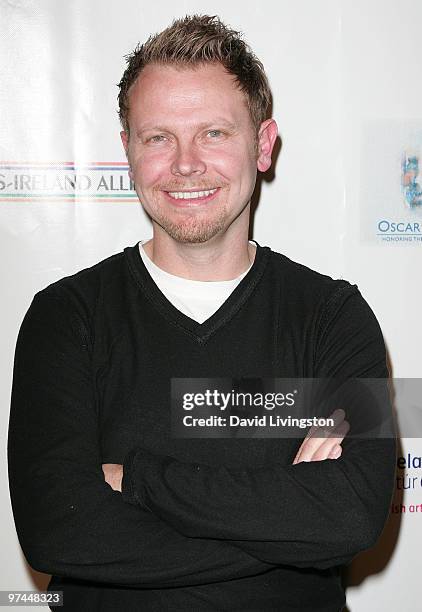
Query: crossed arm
pixel 313 448
pixel 310 514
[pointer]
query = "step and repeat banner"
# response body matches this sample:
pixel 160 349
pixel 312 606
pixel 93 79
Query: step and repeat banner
pixel 344 196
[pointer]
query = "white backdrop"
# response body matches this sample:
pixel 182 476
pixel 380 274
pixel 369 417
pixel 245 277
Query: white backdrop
pixel 347 97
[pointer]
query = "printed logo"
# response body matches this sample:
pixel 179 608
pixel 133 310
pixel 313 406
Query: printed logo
pixel 390 182
pixel 405 229
pixel 65 181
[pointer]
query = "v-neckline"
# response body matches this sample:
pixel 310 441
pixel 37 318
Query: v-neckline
pixel 201 332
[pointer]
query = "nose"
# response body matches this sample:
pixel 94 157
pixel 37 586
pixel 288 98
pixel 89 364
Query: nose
pixel 187 160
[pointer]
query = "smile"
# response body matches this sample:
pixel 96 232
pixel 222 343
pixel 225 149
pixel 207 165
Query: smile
pixel 190 195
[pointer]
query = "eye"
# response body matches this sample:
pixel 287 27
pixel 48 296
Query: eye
pixel 156 138
pixel 215 133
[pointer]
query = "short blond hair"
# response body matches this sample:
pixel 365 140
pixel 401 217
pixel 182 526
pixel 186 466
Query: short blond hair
pixel 195 40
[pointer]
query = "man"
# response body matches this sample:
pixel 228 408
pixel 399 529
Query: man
pixel 123 515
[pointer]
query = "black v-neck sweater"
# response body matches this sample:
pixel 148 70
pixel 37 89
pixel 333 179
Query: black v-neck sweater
pixel 202 524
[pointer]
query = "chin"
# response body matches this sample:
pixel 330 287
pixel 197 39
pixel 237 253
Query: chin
pixel 192 235
pixel 192 232
pixel 191 228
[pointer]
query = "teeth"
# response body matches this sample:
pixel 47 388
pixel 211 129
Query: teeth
pixel 190 195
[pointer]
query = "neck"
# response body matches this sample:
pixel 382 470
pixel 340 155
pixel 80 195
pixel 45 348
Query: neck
pixel 218 259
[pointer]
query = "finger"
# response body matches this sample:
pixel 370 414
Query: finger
pixel 336 452
pixel 337 416
pixel 311 445
pixel 330 443
pixel 313 433
pixel 317 449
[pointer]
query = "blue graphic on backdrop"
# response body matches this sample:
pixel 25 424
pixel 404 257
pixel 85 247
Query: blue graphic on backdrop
pixel 412 189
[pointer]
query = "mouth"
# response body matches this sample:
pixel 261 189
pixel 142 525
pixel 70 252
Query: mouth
pixel 191 197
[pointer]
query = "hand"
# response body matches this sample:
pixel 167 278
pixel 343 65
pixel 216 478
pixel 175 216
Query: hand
pixel 328 447
pixel 113 475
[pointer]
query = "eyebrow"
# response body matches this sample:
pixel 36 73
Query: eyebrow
pixel 199 126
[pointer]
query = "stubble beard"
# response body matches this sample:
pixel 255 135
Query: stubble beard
pixel 192 227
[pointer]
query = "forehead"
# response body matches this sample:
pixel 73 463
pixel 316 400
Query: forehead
pixel 200 91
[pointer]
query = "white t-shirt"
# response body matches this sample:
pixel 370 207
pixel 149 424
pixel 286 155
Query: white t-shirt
pixel 196 299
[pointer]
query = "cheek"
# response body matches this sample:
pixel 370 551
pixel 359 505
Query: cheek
pixel 148 170
pixel 228 164
pixel 237 166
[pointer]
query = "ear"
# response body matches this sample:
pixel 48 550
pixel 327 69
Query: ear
pixel 267 135
pixel 125 140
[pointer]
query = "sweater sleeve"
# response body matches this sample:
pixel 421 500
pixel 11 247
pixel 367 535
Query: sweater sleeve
pixel 69 521
pixel 316 514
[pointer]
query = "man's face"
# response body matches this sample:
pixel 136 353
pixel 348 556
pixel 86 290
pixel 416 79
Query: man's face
pixel 191 149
